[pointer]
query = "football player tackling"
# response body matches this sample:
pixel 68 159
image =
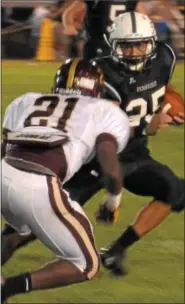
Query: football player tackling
pixel 138 73
pixel 47 138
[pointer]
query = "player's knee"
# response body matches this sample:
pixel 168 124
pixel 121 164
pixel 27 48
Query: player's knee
pixel 179 203
pixel 88 264
pixel 92 266
pixel 172 190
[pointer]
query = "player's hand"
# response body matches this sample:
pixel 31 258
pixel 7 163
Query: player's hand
pixel 179 119
pixel 159 121
pixel 73 17
pixel 106 216
pixel 162 120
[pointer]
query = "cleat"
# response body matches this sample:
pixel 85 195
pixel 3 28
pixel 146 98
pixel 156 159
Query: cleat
pixel 113 262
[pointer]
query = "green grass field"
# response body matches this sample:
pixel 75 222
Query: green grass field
pixel 156 263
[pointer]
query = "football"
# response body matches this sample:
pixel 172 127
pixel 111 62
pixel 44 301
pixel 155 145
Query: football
pixel 173 103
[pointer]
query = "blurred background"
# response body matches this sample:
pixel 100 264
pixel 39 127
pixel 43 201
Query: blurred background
pixel 34 29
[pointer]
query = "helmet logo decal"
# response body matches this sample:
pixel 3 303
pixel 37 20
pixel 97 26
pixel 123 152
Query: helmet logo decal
pixel 86 83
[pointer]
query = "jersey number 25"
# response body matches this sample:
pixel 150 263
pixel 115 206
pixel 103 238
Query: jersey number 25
pixel 142 104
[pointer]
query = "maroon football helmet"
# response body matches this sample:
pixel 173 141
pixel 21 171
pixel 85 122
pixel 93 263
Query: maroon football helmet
pixel 79 77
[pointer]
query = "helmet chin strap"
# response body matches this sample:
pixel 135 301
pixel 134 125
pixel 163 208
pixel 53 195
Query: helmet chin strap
pixel 107 40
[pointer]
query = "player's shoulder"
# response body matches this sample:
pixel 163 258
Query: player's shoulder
pixel 25 98
pixel 166 54
pixel 33 95
pixel 110 68
pixel 114 121
pixel 111 77
pixel 111 109
pixel 22 102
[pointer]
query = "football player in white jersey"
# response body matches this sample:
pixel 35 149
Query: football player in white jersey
pixel 48 138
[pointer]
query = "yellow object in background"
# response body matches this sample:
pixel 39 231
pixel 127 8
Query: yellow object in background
pixel 45 50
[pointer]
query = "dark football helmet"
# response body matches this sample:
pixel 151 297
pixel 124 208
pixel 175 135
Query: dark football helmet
pixel 79 77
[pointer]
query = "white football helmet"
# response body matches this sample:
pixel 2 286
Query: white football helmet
pixel 132 27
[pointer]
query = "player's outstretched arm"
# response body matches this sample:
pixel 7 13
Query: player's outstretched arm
pixel 112 177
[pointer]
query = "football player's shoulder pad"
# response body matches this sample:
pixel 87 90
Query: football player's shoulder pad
pixel 166 54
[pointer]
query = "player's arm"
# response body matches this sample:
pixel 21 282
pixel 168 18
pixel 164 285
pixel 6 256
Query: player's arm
pixel 106 150
pixel 73 14
pixel 159 121
pixel 163 120
pixel 170 63
pixel 171 93
pixel 111 141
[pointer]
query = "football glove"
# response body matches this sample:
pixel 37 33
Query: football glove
pixel 107 216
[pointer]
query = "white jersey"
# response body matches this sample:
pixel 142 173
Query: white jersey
pixel 82 119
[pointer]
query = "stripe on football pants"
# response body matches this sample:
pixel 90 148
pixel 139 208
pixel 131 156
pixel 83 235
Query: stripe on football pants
pixel 77 224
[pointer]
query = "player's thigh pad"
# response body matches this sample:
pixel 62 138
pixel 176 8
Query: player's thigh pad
pixel 151 178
